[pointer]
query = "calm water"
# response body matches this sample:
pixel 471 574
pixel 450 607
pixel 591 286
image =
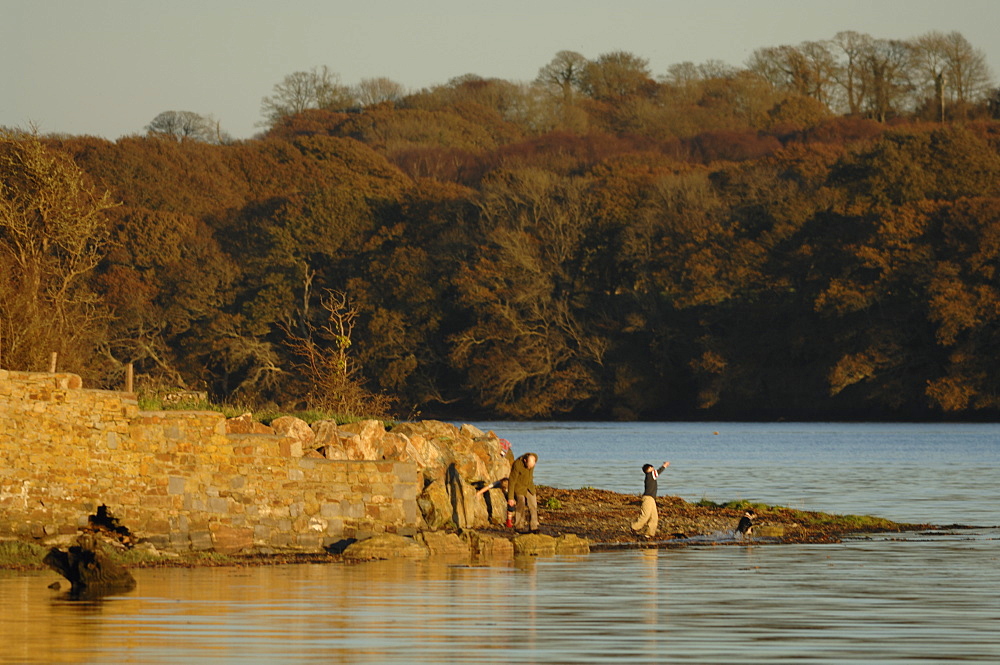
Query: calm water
pixel 931 597
pixel 939 474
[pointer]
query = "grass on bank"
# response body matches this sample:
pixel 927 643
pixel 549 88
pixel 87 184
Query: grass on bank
pixel 20 554
pixel 264 415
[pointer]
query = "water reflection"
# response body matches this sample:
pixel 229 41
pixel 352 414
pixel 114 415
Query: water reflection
pixel 868 600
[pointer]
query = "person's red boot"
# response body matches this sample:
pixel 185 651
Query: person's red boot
pixel 510 525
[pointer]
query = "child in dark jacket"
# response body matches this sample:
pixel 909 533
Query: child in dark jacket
pixel 648 516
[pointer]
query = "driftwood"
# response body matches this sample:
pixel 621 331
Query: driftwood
pixel 88 569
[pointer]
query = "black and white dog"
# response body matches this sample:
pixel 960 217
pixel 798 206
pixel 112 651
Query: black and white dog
pixel 745 527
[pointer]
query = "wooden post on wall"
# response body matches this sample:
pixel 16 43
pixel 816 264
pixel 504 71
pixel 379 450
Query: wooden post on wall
pixel 53 362
pixel 129 378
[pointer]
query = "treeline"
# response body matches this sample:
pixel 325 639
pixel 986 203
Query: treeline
pixel 446 253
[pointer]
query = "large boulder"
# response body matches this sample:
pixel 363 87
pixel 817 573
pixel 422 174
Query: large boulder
pixel 333 441
pixel 495 504
pixel 365 441
pixel 436 446
pixel 534 544
pixel 300 436
pixel 538 544
pixel 470 507
pixel 451 502
pixel 439 543
pixel 386 546
pixel 394 447
pixel 246 424
pixel 435 506
pixel 471 431
pixel 429 448
pixel 490 547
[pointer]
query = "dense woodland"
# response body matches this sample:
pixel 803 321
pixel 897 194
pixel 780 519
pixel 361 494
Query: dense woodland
pixel 814 235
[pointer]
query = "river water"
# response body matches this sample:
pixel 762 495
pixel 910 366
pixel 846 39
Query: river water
pixel 932 597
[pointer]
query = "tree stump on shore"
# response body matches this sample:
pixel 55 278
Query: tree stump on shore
pixel 87 568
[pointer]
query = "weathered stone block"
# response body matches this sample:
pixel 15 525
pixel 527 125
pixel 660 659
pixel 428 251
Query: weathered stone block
pixel 201 540
pixel 332 510
pixel 406 472
pixel 280 539
pixel 335 527
pixel 309 541
pixel 439 543
pixel 230 540
pixel 176 485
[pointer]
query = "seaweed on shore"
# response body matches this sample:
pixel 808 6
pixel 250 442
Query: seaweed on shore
pixel 603 517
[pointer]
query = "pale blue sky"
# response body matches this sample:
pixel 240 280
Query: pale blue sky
pixel 108 67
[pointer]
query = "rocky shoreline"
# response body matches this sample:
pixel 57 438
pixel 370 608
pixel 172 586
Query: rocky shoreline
pixel 436 510
pixel 573 521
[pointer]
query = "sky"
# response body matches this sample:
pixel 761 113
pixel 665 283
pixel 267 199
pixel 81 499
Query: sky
pixel 108 67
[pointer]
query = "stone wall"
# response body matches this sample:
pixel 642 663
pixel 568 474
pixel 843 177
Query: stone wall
pixel 176 478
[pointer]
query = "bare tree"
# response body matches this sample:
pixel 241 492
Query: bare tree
pixel 564 75
pixel 930 64
pixel 332 375
pixel 886 68
pixel 187 124
pixel 852 47
pixel 808 70
pixel 372 91
pixel 318 88
pixel 822 65
pixel 687 73
pixel 950 66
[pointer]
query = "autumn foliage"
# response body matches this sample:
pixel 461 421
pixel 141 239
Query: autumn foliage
pixel 707 247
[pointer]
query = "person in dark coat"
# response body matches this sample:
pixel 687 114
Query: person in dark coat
pixel 521 493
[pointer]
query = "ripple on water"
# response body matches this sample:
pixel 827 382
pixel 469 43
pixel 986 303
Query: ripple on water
pixel 870 600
